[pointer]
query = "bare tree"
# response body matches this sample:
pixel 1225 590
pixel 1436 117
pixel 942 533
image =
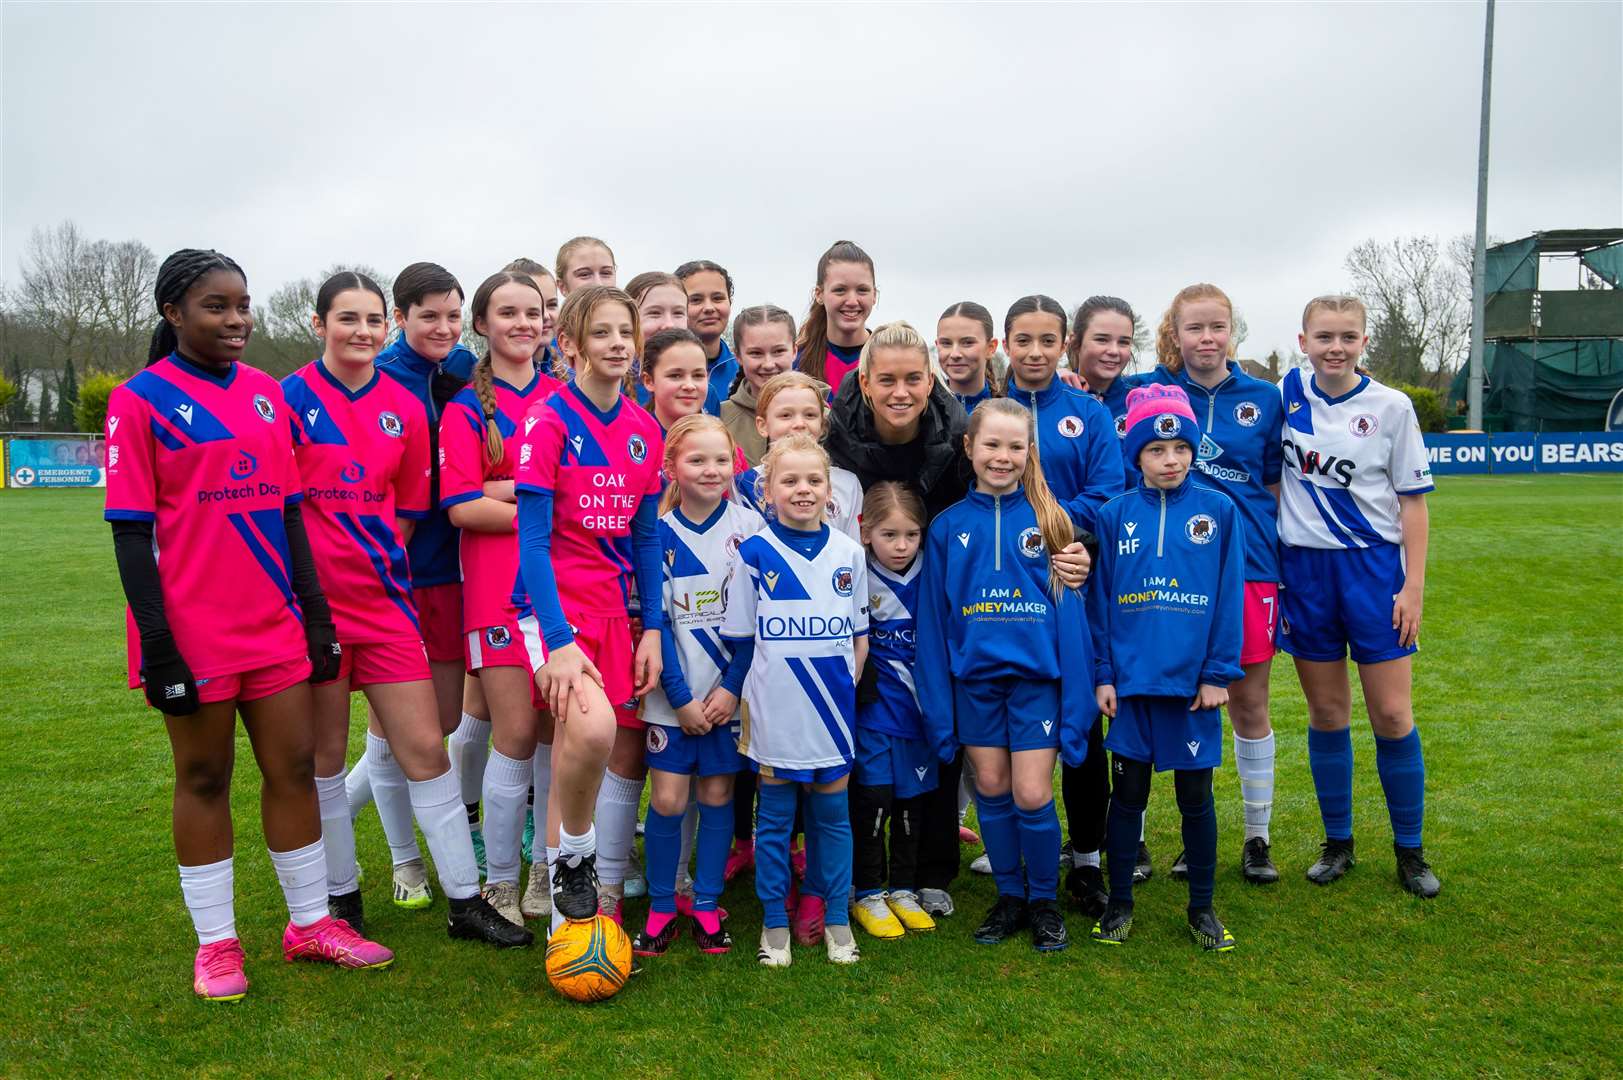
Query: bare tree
pixel 125 273
pixel 59 286
pixel 1419 301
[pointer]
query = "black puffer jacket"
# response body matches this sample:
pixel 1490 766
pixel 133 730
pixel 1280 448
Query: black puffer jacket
pixel 933 464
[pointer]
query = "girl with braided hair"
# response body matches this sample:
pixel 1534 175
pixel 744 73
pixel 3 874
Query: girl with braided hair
pixel 479 437
pixel 200 465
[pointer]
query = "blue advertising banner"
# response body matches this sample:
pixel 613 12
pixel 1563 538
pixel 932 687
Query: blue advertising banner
pixel 1524 452
pixel 64 462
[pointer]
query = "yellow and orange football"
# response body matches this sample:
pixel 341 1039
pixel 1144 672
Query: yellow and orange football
pixel 589 960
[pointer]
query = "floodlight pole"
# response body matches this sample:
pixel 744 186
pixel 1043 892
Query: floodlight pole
pixel 1473 391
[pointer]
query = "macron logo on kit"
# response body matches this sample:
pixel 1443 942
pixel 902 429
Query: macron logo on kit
pixel 1048 727
pixel 575 441
pixel 1194 747
pixel 529 424
pixel 1132 527
pixel 310 417
pixel 112 426
pixel 963 540
pixel 185 412
pixel 920 770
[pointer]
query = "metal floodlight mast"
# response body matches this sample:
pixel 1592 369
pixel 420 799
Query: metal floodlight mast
pixel 1473 392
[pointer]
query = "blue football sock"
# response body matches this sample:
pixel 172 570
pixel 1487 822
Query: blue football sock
pixel 1330 759
pixel 662 843
pixel 1200 845
pixel 714 844
pixel 828 817
pixel 1403 778
pixel 1039 847
pixel 812 884
pixel 1000 832
pixel 773 820
pixel 1122 826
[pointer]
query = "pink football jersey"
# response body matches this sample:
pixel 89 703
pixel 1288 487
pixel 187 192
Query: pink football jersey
pixel 489 560
pixel 598 467
pixel 209 461
pixel 363 457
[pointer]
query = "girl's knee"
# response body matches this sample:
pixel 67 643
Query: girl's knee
pixel 204 780
pixel 1194 789
pixel 1033 795
pixel 1130 783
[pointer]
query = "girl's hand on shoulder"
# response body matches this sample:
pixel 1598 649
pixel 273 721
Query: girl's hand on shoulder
pixel 1406 615
pixel 1072 565
pixel 565 674
pixel 1071 379
pixel 719 706
pixel 692 719
pixel 649 662
pixel 1209 697
pixel 1104 695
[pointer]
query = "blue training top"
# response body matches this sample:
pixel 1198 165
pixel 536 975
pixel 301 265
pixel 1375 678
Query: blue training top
pixel 1076 442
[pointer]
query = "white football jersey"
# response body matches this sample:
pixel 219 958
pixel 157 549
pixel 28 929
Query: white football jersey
pixel 1347 459
pixel 800 697
pixel 697 558
pixel 844 498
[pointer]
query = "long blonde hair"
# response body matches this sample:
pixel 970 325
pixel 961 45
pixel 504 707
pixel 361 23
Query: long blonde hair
pixel 1052 520
pixel 1167 352
pixel 688 425
pixel 576 317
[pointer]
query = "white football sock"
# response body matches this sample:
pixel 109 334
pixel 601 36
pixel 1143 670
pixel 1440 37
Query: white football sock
pixel 584 844
pixel 470 749
pixel 358 786
pixel 541 769
pixel 616 822
pixel 303 874
pixel 207 891
pixel 1084 858
pixel 337 835
pixel 507 782
pixel 438 806
pixel 393 799
pixel 1254 761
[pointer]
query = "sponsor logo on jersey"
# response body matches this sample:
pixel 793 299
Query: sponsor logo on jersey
pixel 658 739
pixel 842 581
pixel 524 454
pixel 1121 426
pixel 963 540
pixel 1363 425
pixel 262 405
pixel 1208 449
pixel 1128 544
pixel 390 424
pixel 1194 747
pixel 1070 426
pixel 184 412
pixel 112 455
pixel 1246 414
pixel 637 447
pixel 353 473
pixel 1166 425
pixel 1200 528
pixel 244 466
pixel 1329 466
pixel 804 627
pixel 1031 542
pixel 497 637
pixel 442 457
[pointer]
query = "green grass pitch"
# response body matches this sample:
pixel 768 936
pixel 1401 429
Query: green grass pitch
pixel 1513 971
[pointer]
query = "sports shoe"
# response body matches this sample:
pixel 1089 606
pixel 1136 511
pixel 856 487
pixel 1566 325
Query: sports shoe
pixel 217 973
pixel 1414 872
pixel 1067 856
pixel 473 919
pixel 842 945
pixel 411 889
pixel 646 944
pixel 982 864
pixel 574 886
pixel 526 846
pixel 1008 916
pixel 537 902
pixel 611 902
pixel 477 835
pixel 1047 926
pixel 808 919
pixel 937 903
pixel 740 859
pixel 1209 932
pixel 348 907
pixel 636 885
pixel 334 941
pixel 875 916
pixel 1335 859
pixel 1180 866
pixel 774 949
pixel 713 944
pixel 1143 869
pixel 969 836
pixel 904 904
pixel 684 906
pixel 1256 865
pixel 1086 885
pixel 1114 925
pixel 503 896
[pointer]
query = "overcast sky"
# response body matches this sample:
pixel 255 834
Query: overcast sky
pixel 977 152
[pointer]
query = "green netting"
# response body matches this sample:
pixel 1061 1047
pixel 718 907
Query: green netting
pixel 1607 262
pixel 1550 385
pixel 1512 266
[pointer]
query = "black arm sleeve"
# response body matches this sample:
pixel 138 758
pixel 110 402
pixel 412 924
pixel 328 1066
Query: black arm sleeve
pixel 138 572
pixel 306 586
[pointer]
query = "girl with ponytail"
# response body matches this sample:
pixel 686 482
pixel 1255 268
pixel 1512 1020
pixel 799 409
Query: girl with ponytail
pixel 1016 684
pixel 479 437
pixel 836 328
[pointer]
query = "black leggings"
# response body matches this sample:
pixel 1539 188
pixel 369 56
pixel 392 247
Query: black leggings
pixel 1086 792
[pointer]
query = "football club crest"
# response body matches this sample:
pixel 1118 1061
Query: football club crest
pixel 637 447
pixel 1031 542
pixel 1200 528
pixel 658 739
pixel 263 406
pixel 842 581
pixel 1166 426
pixel 732 543
pixel 497 637
pixel 1246 414
pixel 1121 426
pixel 390 425
pixel 1070 426
pixel 1363 425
